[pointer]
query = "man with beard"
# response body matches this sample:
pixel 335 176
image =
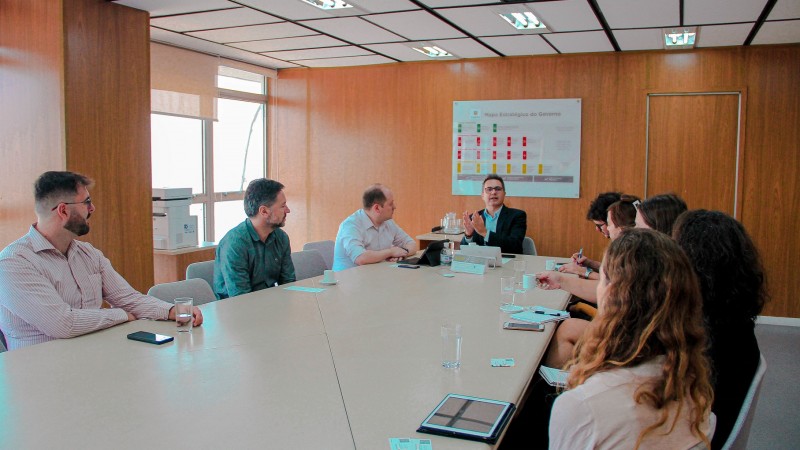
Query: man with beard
pixel 53 286
pixel 497 225
pixel 256 254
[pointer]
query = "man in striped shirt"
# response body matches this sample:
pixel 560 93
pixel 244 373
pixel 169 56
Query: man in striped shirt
pixel 53 286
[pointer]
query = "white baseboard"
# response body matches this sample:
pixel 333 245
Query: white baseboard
pixel 784 321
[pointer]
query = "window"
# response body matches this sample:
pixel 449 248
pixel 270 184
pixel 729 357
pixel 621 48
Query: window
pixel 216 158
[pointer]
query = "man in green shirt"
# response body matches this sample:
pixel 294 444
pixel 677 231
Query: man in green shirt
pixel 256 254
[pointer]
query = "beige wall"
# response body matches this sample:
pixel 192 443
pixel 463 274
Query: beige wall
pixel 338 130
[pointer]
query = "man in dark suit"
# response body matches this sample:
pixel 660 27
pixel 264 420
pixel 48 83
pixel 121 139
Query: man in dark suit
pixel 497 225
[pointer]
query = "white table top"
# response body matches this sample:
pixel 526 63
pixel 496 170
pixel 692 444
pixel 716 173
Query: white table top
pixel 356 364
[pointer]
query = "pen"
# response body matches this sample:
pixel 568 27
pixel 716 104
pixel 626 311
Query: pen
pixel 547 313
pixel 580 253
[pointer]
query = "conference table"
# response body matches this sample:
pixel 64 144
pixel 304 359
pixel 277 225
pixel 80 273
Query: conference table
pixel 348 367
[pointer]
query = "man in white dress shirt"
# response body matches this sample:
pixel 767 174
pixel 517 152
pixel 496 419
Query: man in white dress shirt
pixel 369 235
pixel 53 286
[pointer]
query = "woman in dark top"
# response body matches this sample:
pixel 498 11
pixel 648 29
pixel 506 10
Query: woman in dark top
pixel 733 287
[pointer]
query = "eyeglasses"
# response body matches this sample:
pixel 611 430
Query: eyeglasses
pixel 637 204
pixel 489 189
pixel 86 202
pixel 600 226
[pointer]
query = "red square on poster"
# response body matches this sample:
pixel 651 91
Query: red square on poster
pixel 479 155
pixel 459 154
pixel 459 141
pixel 509 141
pixel 494 154
pixel 494 141
pixel 509 155
pixel 524 141
pixel 479 141
pixel 524 154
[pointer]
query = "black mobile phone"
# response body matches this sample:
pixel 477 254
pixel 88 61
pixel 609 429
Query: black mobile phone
pixel 150 338
pixel 523 326
pixel 508 255
pixel 408 266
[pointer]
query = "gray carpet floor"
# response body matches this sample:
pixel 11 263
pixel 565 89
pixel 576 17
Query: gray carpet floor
pixel 776 425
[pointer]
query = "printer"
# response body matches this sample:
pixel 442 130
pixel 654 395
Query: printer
pixel 173 226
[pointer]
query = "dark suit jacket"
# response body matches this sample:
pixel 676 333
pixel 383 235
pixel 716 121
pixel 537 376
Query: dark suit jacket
pixel 511 228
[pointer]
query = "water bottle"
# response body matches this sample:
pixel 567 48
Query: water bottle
pixel 447 254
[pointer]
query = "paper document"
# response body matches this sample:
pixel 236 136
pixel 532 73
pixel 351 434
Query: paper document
pixel 554 377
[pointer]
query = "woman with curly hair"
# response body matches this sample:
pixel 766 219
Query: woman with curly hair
pixel 640 377
pixel 733 288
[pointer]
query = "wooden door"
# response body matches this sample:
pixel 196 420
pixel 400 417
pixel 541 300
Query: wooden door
pixel 693 151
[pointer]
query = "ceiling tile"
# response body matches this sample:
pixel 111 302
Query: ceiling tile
pixel 349 61
pixel 464 48
pixel 162 8
pixel 566 15
pixel 640 13
pixel 785 9
pixel 353 29
pixel 480 21
pixel 723 35
pixel 701 12
pixel 254 32
pixel 527 44
pixel 381 6
pixel 400 51
pixel 317 53
pixel 415 25
pixel 441 3
pixel 644 39
pixel 212 48
pixel 213 19
pixel 290 9
pixel 582 42
pixel 295 43
pixel 785 32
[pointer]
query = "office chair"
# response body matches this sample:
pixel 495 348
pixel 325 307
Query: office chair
pixel 325 248
pixel 740 433
pixel 3 345
pixel 203 270
pixel 528 247
pixel 195 288
pixel 308 264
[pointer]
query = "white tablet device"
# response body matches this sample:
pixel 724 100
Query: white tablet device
pixel 467 417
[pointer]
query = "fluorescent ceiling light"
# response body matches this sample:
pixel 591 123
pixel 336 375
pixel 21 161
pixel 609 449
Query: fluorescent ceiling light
pixel 328 4
pixel 433 51
pixel 675 38
pixel 524 20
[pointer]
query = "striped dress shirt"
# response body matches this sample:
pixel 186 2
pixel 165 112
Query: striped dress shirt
pixel 46 295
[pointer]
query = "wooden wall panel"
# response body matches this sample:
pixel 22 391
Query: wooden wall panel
pixel 107 109
pixel 31 106
pixel 392 123
pixel 771 204
pixel 690 137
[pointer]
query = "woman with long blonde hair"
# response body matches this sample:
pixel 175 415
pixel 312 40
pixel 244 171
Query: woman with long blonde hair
pixel 640 375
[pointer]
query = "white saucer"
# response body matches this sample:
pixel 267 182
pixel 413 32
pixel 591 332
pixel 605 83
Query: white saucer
pixel 511 308
pixel 329 283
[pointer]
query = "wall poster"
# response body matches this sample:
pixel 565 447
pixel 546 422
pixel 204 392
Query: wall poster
pixel 535 145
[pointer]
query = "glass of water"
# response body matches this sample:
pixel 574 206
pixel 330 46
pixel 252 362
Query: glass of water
pixel 519 271
pixel 183 313
pixel 508 288
pixel 451 346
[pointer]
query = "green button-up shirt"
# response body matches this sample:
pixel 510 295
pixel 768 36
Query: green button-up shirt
pixel 245 264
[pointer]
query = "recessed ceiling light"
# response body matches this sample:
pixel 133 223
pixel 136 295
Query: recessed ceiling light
pixel 524 20
pixel 433 51
pixel 675 38
pixel 328 4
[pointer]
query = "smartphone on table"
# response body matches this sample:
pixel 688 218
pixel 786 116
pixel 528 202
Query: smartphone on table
pixel 150 338
pixel 523 326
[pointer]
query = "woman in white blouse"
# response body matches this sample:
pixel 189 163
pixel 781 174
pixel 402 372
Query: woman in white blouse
pixel 640 376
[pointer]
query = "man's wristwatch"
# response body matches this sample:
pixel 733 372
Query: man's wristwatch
pixel 587 273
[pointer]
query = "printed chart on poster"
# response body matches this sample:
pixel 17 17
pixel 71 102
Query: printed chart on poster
pixel 535 145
